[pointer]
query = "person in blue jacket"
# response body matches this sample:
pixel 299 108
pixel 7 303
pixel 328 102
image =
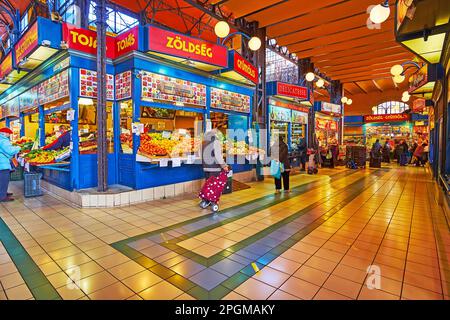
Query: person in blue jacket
pixel 62 141
pixel 7 152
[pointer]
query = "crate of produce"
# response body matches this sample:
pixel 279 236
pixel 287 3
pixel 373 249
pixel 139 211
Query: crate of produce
pixel 32 184
pixel 17 174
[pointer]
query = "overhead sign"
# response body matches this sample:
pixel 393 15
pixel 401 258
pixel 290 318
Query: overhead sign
pixel 6 67
pixel 127 42
pixel 179 45
pixel 418 79
pixel 27 43
pixel 287 90
pixel 245 68
pixel 425 78
pixel 86 40
pixel 387 117
pixel 331 108
pixel 286 105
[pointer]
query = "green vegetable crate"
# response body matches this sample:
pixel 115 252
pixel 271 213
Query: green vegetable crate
pixel 17 175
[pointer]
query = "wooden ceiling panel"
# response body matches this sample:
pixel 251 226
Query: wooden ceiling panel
pixel 352 88
pixel 342 10
pixel 241 8
pixel 288 10
pixel 368 64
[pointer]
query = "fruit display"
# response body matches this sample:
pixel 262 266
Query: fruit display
pixel 40 156
pixel 241 148
pixel 154 144
pixel 50 139
pixel 24 143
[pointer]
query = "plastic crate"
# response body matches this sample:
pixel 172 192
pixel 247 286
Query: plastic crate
pixel 32 184
pixel 17 174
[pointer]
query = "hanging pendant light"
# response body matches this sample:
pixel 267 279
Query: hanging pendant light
pixel 222 29
pixel 380 13
pixel 254 43
pixel 310 76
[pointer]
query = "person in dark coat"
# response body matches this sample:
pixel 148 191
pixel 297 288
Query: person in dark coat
pixel 212 155
pixel 282 156
pixel 403 153
pixel 62 141
pixel 387 152
pixel 375 154
pixel 302 152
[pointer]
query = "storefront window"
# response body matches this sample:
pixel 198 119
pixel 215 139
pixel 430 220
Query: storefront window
pixel 169 133
pixel 87 126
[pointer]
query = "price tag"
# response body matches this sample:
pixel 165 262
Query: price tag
pixel 163 162
pixel 166 134
pixel 70 115
pixel 190 159
pixel 176 162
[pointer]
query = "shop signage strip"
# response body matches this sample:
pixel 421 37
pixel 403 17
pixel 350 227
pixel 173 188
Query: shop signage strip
pixel 127 42
pixel 164 88
pixel 6 67
pixel 227 100
pixel 245 68
pixel 54 88
pixel 27 43
pixel 180 45
pixel 293 91
pixel 88 84
pixel 291 106
pixel 387 118
pixel 29 99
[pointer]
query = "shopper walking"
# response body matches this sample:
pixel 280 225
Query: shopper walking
pixel 404 149
pixel 7 152
pixel 212 154
pixel 413 150
pixel 426 151
pixel 418 154
pixel 375 155
pixel 282 156
pixel 302 150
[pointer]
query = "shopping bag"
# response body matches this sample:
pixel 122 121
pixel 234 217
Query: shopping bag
pixel 275 169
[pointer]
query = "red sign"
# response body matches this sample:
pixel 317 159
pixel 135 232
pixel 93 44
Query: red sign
pixel 86 40
pixel 288 105
pixel 418 79
pixel 177 44
pixel 387 117
pixel 245 68
pixel 419 105
pixel 27 43
pixel 6 66
pixel 291 90
pixel 127 42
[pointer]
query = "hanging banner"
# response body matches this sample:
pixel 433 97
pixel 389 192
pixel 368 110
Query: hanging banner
pixel 29 99
pixel 27 43
pixel 55 88
pixel 86 40
pixel 88 84
pixel 127 42
pixel 387 118
pixel 179 45
pixel 227 100
pixel 160 87
pixel 6 66
pixel 245 68
pixel 123 85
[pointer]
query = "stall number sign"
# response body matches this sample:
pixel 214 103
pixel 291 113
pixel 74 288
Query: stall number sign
pixel 123 85
pixel 54 88
pixel 180 45
pixel 227 100
pixel 164 88
pixel 88 84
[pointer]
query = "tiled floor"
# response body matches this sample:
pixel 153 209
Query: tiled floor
pixel 334 234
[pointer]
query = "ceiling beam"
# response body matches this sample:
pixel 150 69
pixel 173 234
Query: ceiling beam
pixel 376 56
pixel 372 63
pixel 361 88
pixel 377 85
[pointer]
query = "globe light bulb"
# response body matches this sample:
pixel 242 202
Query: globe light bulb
pixel 399 79
pixel 396 70
pixel 349 101
pixel 310 76
pixel 344 99
pixel 380 13
pixel 254 43
pixel 320 83
pixel 222 29
pixel 405 94
pixel 405 98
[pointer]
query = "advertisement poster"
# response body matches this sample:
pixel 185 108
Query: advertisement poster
pixel 226 100
pixel 280 114
pixel 299 117
pixel 123 85
pixel 160 87
pixel 55 88
pixel 88 84
pixel 331 108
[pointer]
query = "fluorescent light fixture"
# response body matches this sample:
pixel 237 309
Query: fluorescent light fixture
pixel 86 101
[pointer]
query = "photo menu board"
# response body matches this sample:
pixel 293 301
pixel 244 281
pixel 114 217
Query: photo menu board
pixel 55 88
pixel 29 99
pixel 299 117
pixel 161 87
pixel 88 84
pixel 280 114
pixel 227 100
pixel 123 85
